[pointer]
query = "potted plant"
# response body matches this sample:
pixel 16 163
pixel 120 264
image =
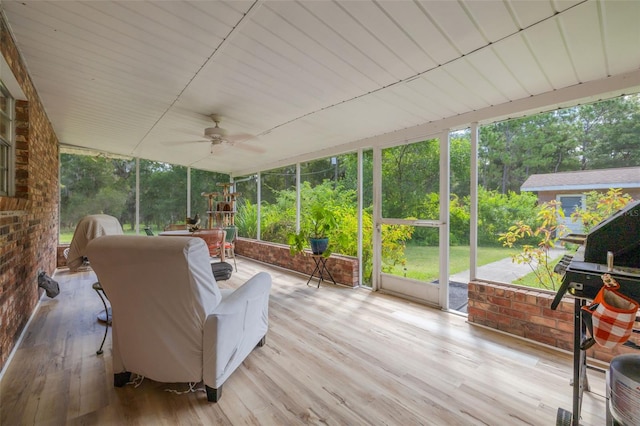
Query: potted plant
pixel 314 230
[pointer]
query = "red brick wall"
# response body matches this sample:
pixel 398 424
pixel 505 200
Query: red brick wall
pixel 29 220
pixel 527 313
pixel 344 269
pixel 61 261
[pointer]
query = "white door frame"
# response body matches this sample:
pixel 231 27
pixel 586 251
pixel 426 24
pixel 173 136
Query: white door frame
pixel 430 293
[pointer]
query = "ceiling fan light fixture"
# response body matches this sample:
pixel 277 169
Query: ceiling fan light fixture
pixel 215 132
pixel 214 142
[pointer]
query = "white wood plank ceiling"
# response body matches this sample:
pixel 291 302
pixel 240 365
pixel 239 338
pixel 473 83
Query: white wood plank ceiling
pixel 311 78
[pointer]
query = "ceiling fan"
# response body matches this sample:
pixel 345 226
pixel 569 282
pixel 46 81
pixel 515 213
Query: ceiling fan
pixel 217 135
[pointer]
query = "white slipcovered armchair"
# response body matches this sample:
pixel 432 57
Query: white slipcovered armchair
pixel 171 322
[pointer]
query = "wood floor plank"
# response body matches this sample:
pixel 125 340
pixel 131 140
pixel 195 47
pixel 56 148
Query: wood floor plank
pixel 334 356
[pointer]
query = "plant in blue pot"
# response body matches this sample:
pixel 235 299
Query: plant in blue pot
pixel 316 225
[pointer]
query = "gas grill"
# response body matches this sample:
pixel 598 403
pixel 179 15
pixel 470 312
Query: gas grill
pixel 612 247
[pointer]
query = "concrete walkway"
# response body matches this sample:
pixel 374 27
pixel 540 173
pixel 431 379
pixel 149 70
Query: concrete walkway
pixel 504 270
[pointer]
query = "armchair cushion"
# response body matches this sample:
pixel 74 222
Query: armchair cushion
pixel 236 326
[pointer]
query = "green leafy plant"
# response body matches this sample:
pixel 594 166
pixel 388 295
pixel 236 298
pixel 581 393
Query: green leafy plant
pixel 546 231
pixel 394 240
pixel 321 220
pixel 317 222
pixel 600 206
pixel 341 202
pixel 247 219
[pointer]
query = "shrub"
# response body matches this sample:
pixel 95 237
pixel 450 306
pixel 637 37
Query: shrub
pixel 545 233
pixel 497 212
pixel 600 206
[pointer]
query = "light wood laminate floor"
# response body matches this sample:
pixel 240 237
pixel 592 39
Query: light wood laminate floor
pixel 334 356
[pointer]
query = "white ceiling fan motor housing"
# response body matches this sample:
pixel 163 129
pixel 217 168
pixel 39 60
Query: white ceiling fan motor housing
pixel 215 133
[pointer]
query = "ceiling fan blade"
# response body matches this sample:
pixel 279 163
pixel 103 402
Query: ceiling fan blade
pixel 186 142
pixel 239 137
pixel 251 148
pixel 240 140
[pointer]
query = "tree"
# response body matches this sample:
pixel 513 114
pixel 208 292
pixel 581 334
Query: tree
pixel 460 164
pixel 594 136
pixel 90 185
pixel 548 145
pixel 498 156
pixel 409 172
pixel 276 180
pixel 350 179
pixel 617 137
pixel 600 206
pixel 510 151
pixel 546 232
pixel 496 212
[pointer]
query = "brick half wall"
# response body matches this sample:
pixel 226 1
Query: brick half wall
pixel 344 269
pixel 527 313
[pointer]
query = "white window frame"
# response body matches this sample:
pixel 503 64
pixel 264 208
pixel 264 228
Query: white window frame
pixel 7 167
pixel 583 204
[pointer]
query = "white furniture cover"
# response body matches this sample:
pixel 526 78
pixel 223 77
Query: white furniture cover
pixel 171 322
pixel 87 229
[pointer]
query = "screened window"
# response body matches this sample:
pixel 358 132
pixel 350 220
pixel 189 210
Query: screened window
pixel 6 141
pixel 278 204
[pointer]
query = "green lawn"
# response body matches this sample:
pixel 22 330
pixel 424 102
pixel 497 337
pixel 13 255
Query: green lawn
pixel 66 236
pixel 530 280
pixel 423 262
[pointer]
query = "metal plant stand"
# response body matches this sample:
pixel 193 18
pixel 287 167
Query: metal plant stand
pixel 107 314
